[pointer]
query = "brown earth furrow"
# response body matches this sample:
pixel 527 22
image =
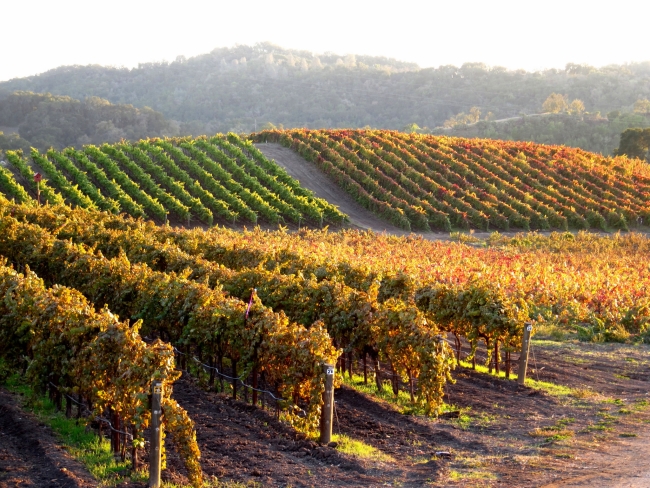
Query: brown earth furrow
pixel 29 452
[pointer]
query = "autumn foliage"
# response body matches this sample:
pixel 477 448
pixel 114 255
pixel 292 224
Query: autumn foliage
pixel 420 182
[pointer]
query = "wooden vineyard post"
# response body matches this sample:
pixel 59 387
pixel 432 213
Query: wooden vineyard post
pixel 365 368
pixel 523 357
pixel 327 413
pixel 37 180
pixel 350 360
pixel 234 380
pixel 156 435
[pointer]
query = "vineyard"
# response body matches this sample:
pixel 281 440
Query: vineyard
pixel 187 181
pixel 99 299
pixel 421 182
pixel 407 304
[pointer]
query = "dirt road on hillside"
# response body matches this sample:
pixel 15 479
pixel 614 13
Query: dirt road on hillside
pixel 315 180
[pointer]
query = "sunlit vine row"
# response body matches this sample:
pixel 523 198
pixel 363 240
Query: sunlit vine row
pixel 56 335
pixel 437 181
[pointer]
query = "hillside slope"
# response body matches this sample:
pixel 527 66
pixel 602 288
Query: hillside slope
pixel 202 181
pixel 313 179
pixel 43 120
pixel 421 183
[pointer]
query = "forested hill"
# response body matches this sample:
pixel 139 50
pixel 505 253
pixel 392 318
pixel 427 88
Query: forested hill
pixel 43 120
pixel 242 88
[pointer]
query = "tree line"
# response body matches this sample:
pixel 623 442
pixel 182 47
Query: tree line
pixel 242 88
pixel 43 120
pixel 249 88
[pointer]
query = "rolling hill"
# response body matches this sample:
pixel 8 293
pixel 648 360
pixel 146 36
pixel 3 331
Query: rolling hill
pixel 413 182
pixel 201 181
pixel 421 182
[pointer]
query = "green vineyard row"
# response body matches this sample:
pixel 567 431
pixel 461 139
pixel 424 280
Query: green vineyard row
pixel 205 180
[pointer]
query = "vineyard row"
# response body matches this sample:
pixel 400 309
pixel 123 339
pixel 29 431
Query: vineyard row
pixel 422 182
pixel 222 178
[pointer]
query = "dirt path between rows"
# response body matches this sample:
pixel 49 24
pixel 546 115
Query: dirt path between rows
pixel 29 453
pixel 496 443
pixel 315 180
pixel 243 443
pixel 323 186
pixel 626 464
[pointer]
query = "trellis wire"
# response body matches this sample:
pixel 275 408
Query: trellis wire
pixel 99 419
pixel 238 378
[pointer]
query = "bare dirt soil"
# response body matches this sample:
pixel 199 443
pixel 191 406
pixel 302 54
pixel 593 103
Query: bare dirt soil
pixel 506 434
pixel 30 455
pixel 594 432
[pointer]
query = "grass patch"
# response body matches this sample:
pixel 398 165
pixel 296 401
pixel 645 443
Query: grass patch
pixel 481 368
pixel 582 393
pixel 552 332
pixel 551 434
pixel 402 401
pixel 597 427
pixel 549 388
pixel 359 449
pixel 628 434
pixel 614 401
pixel 463 421
pixel 565 421
pixel 564 455
pixel 555 433
pixel 471 475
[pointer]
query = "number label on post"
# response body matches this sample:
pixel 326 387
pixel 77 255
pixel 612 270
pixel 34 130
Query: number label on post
pixel 330 371
pixel 529 328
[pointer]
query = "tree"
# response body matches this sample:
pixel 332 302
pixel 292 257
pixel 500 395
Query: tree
pixel 642 106
pixel 635 143
pixel 412 128
pixel 576 107
pixel 12 142
pixel 555 103
pixel 474 115
pixel 463 118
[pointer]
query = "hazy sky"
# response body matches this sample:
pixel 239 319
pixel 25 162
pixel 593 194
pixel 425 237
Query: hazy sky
pixel 40 35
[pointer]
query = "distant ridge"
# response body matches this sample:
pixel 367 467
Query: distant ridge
pixel 244 88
